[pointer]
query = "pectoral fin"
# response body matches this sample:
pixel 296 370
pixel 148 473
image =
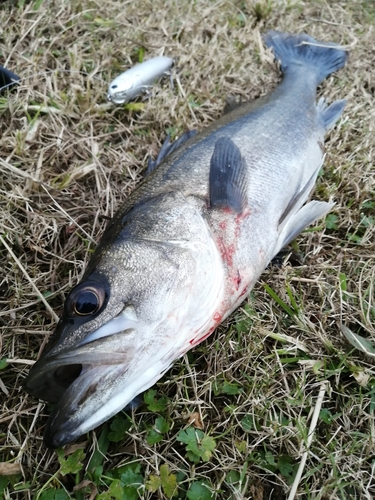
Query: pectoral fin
pixel 299 198
pixel 227 182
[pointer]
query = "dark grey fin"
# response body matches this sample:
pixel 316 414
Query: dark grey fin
pixel 152 164
pixel 231 104
pixel 227 182
pixel 7 79
pixel 303 51
pixel 300 220
pixel 168 148
pixel 330 114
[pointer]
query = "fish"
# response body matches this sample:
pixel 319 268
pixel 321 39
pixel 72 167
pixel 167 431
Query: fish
pixel 189 243
pixel 138 80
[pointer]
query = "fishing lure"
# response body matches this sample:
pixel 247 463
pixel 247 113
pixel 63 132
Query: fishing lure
pixel 138 80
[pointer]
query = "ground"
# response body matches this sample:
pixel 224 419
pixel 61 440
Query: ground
pixel 231 419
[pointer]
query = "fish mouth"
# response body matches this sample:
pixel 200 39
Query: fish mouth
pixel 85 395
pixel 85 403
pixel 89 386
pixel 82 381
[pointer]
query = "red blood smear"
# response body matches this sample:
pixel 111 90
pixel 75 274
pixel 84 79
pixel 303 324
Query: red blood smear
pixel 226 252
pixel 245 213
pixel 217 317
pixel 237 280
pixel 198 341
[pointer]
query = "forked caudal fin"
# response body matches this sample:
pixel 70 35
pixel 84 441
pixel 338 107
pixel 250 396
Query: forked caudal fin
pixel 303 50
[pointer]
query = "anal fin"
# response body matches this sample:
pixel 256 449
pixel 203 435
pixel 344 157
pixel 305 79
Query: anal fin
pixel 227 182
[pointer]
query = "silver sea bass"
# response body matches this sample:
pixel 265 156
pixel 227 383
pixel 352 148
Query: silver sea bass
pixel 189 244
pixel 138 80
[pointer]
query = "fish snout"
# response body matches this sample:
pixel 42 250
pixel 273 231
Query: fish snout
pixel 57 435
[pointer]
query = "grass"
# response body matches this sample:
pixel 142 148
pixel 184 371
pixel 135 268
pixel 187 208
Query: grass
pixel 278 384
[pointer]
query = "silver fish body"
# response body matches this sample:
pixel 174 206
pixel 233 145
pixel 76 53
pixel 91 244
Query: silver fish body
pixel 138 79
pixel 189 244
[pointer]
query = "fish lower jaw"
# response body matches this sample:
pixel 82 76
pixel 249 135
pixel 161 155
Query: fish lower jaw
pixel 121 399
pixel 59 434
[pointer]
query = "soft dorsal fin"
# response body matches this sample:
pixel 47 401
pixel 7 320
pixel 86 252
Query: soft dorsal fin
pixel 227 182
pixel 330 114
pixel 168 148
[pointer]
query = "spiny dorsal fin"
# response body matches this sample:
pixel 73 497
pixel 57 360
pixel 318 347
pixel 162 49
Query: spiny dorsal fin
pixel 7 78
pixel 227 182
pixel 168 148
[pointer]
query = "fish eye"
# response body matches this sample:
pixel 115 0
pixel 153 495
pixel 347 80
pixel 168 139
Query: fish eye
pixel 85 300
pixel 86 303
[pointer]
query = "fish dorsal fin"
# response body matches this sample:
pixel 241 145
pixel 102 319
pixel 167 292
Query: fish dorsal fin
pixel 168 148
pixel 227 181
pixel 330 114
pixel 7 79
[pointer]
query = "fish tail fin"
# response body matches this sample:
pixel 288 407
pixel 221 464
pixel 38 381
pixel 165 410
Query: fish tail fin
pixel 304 51
pixel 330 114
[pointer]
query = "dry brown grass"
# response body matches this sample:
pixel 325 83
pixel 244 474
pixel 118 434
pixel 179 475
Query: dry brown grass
pixel 67 161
